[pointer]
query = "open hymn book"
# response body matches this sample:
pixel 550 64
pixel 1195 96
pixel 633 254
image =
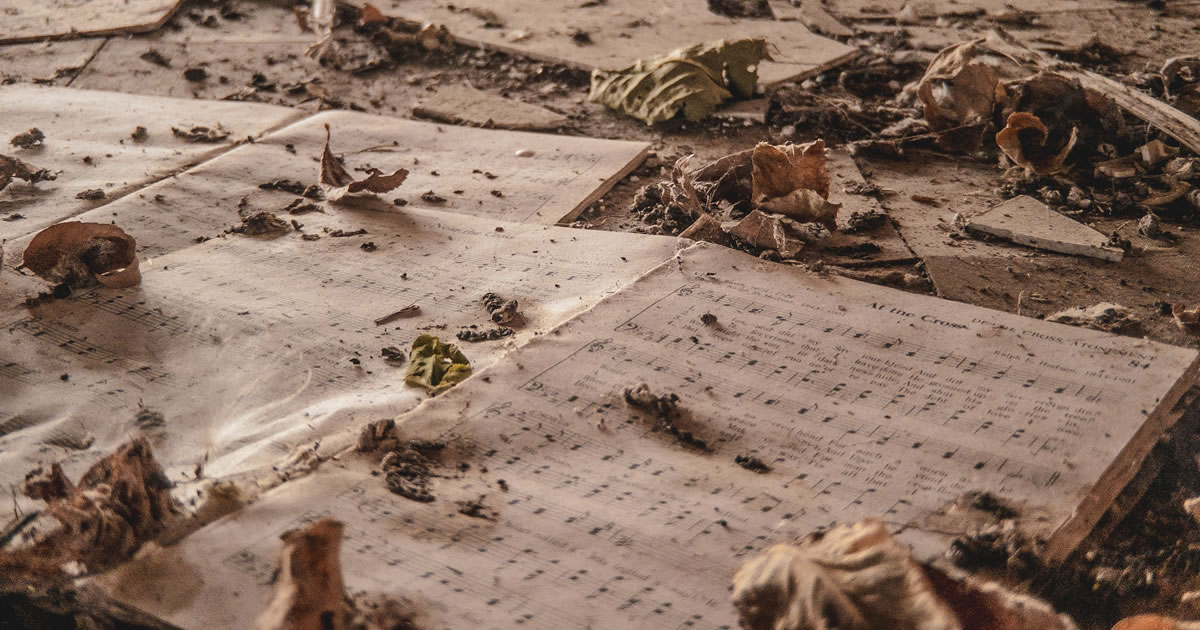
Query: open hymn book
pixel 858 401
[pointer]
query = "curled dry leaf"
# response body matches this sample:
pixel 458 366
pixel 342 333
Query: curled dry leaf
pixel 1058 117
pixel 1186 317
pixel 791 180
pixel 336 182
pixel 11 168
pixel 309 592
pixel 80 254
pixel 1025 140
pixel 779 170
pixel 120 503
pixel 1155 622
pixel 435 365
pixel 857 577
pixel 691 80
pixel 958 88
pixel 370 14
pixel 774 231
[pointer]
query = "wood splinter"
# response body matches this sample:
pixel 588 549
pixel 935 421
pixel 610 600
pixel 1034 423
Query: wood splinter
pixel 407 311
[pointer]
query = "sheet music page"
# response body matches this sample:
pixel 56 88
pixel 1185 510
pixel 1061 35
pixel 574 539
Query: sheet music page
pixel 485 173
pixel 247 347
pixel 855 400
pixel 90 144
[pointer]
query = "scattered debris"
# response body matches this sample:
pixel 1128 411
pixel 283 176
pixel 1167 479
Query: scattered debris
pixel 139 134
pixel 340 233
pixel 11 167
pixel 336 182
pixel 1104 316
pixel 121 502
pixel 502 311
pixel 156 58
pixel 1150 226
pixel 434 365
pixel 261 224
pixel 29 140
pixel 691 81
pixel 708 319
pixel 91 194
pixel 1027 221
pixel 81 254
pixel 665 407
pixel 666 411
pixel 407 465
pixel 195 74
pixel 858 576
pixel 201 133
pixel 475 508
pixel 490 334
pixel 393 355
pixel 408 311
pixel 751 463
pixel 296 188
pixel 999 546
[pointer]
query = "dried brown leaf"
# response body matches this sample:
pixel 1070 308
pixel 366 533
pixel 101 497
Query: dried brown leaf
pixel 81 253
pixel 1186 317
pixel 11 168
pixel 370 14
pixel 309 593
pixel 121 502
pixel 958 88
pixel 773 231
pixel 1024 140
pixel 1154 622
pixel 779 170
pixel 791 180
pixel 336 182
pixel 857 577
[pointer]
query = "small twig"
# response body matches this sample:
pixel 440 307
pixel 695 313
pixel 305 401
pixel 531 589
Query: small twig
pixel 407 311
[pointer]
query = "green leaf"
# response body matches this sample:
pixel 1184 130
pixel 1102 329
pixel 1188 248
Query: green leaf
pixel 692 80
pixel 435 365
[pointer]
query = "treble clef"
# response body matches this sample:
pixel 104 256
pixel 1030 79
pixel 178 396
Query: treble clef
pixel 600 345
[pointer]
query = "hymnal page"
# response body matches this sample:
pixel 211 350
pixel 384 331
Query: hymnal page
pixel 619 32
pixel 93 144
pixel 247 344
pixel 802 401
pixel 485 173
